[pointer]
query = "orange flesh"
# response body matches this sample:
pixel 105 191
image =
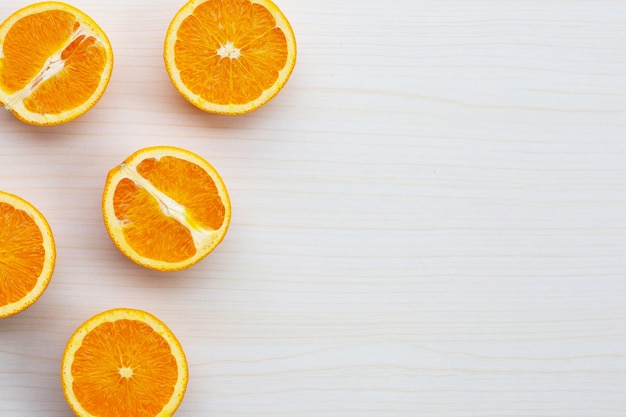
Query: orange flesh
pixel 31 42
pixel 21 254
pixel 124 368
pixel 148 229
pixel 224 80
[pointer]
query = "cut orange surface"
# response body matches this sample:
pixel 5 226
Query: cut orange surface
pixel 165 208
pixel 55 63
pixel 27 254
pixel 123 363
pixel 229 56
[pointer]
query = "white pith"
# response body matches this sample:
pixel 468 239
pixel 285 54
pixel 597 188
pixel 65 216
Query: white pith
pixel 126 372
pixel 170 207
pixel 52 66
pixel 228 50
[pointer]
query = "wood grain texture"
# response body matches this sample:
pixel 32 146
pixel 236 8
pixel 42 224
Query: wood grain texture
pixel 429 220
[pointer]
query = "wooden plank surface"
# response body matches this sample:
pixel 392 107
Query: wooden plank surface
pixel 429 220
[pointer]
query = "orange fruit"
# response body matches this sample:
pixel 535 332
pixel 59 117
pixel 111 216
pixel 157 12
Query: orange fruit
pixel 55 63
pixel 124 362
pixel 165 208
pixel 27 254
pixel 229 56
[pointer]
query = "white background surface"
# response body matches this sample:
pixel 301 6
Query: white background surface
pixel 429 220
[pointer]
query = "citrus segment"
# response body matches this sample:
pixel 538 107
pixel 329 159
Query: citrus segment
pixel 124 362
pixel 55 63
pixel 165 208
pixel 166 239
pixel 229 56
pixel 27 254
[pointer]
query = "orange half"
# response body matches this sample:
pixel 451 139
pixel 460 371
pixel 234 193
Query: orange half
pixel 27 254
pixel 165 208
pixel 124 362
pixel 229 56
pixel 55 63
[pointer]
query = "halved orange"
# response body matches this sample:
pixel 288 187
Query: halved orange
pixel 27 254
pixel 55 63
pixel 124 362
pixel 165 208
pixel 229 56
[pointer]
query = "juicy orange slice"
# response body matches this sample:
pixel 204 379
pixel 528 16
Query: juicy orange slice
pixel 27 254
pixel 165 208
pixel 124 362
pixel 229 56
pixel 55 63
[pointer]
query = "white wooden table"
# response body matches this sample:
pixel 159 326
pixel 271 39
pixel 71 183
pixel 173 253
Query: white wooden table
pixel 429 220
